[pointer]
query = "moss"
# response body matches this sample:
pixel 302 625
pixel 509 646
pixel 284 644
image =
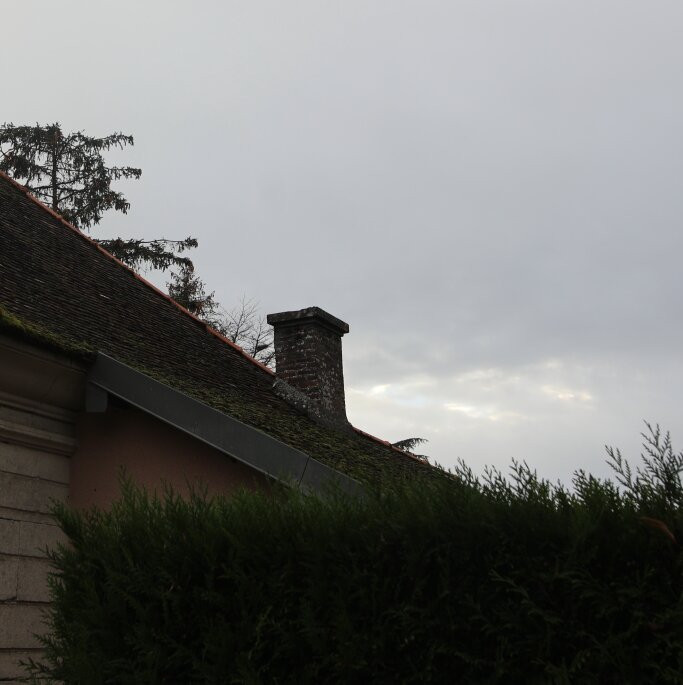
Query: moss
pixel 338 450
pixel 15 327
pixel 345 452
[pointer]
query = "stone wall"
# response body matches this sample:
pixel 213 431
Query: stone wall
pixel 36 441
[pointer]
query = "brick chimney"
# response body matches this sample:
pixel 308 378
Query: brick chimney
pixel 308 362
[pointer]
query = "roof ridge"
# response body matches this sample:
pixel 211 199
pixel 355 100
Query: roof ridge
pixel 158 291
pixel 212 331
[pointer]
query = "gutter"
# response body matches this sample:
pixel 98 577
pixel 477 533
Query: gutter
pixel 238 440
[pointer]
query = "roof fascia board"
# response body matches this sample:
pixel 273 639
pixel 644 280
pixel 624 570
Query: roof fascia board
pixel 221 431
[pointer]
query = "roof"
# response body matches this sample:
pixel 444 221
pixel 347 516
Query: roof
pixel 62 290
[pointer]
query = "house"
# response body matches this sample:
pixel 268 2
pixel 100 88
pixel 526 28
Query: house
pixel 99 369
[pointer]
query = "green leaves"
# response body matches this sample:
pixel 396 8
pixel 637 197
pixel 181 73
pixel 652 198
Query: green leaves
pixel 498 580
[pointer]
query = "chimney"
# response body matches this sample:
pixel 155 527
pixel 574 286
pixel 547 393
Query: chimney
pixel 308 362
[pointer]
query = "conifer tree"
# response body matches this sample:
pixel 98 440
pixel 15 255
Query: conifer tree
pixel 68 173
pixel 409 444
pixel 188 290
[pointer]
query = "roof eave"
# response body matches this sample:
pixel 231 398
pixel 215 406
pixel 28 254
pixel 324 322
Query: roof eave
pixel 234 438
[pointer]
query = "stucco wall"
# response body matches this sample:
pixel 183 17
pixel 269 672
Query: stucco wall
pixel 152 452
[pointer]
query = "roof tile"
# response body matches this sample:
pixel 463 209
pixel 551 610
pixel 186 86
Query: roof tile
pixel 55 279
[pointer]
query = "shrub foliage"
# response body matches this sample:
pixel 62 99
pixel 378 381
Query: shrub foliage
pixel 462 579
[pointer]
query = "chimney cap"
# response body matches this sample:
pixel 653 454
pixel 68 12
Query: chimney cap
pixel 308 314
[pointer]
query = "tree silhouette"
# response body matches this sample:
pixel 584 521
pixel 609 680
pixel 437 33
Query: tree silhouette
pixel 68 173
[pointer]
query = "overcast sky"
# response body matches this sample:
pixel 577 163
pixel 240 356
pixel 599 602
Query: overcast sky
pixel 488 192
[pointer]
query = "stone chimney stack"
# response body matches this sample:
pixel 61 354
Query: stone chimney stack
pixel 308 362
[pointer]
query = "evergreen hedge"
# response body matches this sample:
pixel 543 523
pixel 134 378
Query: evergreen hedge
pixel 462 579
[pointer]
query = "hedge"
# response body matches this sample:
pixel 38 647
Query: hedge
pixel 456 580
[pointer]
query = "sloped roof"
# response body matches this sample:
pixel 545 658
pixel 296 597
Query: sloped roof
pixel 59 286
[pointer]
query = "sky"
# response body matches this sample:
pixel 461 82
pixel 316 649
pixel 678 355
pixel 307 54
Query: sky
pixel 487 191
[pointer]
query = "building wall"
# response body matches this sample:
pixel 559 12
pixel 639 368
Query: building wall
pixel 152 453
pixel 50 449
pixel 39 394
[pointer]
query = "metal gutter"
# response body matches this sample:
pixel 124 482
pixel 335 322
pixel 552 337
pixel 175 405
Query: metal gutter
pixel 238 440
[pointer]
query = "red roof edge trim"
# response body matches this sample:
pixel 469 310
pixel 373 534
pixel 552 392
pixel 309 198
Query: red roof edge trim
pixel 71 227
pixel 386 443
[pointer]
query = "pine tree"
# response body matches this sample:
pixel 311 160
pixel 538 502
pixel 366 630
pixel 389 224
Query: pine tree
pixel 68 173
pixel 409 444
pixel 188 290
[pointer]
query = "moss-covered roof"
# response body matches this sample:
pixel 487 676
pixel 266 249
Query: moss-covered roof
pixel 60 290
